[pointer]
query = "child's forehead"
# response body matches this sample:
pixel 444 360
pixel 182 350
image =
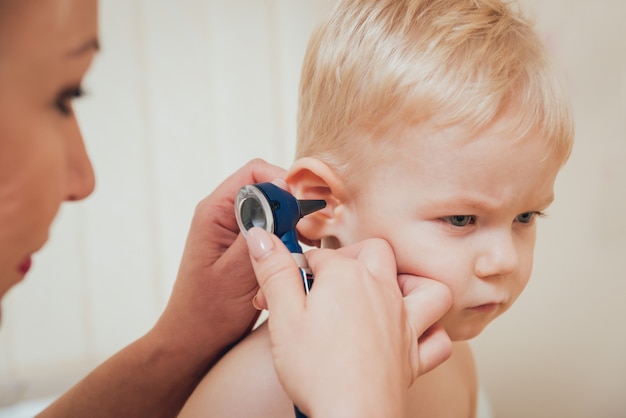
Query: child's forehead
pixel 458 157
pixel 437 155
pixel 417 141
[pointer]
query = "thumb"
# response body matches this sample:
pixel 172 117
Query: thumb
pixel 277 273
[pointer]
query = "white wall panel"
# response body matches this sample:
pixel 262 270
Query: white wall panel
pixel 120 242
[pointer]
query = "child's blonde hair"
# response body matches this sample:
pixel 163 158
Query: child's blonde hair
pixel 374 65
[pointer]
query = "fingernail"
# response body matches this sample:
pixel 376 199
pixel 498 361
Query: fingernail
pixel 259 242
pixel 280 183
pixel 255 303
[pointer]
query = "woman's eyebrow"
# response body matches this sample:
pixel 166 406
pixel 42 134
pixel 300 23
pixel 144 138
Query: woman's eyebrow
pixel 91 45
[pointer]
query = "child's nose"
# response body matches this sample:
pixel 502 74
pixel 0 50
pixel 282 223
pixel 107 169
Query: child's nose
pixel 498 256
pixel 80 176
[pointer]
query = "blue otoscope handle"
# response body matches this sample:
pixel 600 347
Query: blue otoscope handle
pixel 298 413
pixel 307 279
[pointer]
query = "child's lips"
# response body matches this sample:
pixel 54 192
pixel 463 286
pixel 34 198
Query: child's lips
pixel 486 308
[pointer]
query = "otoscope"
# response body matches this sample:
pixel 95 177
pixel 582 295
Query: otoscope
pixel 277 211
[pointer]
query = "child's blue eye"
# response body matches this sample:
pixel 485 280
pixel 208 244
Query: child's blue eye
pixel 459 220
pixel 526 217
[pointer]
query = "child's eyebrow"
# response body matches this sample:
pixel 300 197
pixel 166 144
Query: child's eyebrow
pixel 484 203
pixel 547 201
pixel 467 202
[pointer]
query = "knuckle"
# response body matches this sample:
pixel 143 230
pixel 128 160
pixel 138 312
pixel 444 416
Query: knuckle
pixel 256 162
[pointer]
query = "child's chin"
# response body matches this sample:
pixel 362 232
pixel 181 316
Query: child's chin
pixel 465 332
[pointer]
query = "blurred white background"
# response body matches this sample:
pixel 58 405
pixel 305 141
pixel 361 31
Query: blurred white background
pixel 184 93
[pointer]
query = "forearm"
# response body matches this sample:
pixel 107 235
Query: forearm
pixel 150 378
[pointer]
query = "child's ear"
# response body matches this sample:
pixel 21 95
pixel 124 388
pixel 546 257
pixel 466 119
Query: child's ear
pixel 310 178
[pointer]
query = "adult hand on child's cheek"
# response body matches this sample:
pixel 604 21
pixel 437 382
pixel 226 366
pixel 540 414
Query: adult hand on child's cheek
pixel 210 306
pixel 426 301
pixel 353 342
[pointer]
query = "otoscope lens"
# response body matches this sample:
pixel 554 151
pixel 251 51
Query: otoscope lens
pixel 252 208
pixel 252 214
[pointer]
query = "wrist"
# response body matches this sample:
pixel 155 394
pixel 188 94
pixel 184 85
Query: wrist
pixel 197 344
pixel 183 350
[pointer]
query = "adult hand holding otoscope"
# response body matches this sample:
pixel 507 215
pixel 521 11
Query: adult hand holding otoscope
pixel 352 344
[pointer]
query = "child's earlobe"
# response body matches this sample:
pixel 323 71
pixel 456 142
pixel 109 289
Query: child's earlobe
pixel 310 178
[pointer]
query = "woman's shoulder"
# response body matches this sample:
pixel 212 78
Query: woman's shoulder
pixel 242 383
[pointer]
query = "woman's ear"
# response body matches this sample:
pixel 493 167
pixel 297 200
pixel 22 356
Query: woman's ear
pixel 310 178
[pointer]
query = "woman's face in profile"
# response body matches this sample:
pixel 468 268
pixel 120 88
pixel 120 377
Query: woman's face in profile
pixel 46 47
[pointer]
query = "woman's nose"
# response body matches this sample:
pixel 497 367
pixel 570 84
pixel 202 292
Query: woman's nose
pixel 80 175
pixel 498 256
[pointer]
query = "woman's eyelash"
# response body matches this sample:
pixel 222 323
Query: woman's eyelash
pixel 64 99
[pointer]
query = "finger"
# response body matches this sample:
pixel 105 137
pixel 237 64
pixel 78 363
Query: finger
pixel 435 347
pixel 325 263
pixel 259 301
pixel 356 249
pixel 426 300
pixel 277 273
pixel 281 183
pixel 219 204
pixel 255 171
pixel 375 254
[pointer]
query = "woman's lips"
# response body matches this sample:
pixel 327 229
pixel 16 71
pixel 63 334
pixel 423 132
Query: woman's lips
pixel 25 266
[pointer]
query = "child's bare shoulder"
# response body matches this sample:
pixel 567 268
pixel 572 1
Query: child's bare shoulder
pixel 450 390
pixel 242 384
